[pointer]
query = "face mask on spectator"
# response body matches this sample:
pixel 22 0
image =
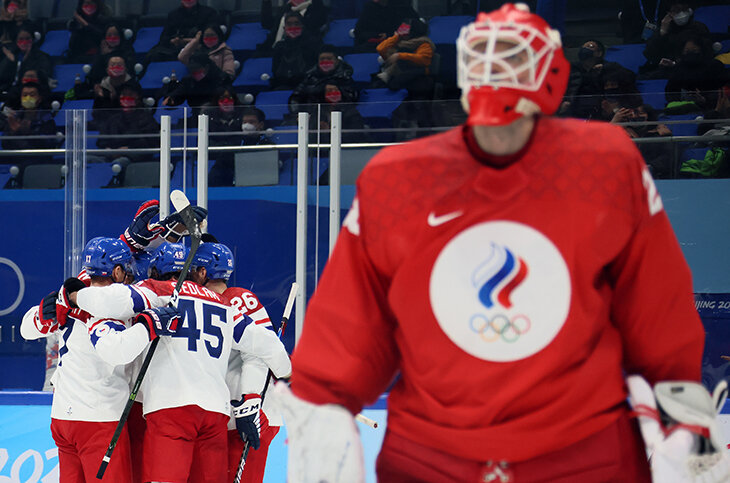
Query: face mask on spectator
pixel 12 7
pixel 112 40
pixel 333 97
pixel 28 102
pixel 198 74
pixel 691 57
pixel 326 65
pixel 24 44
pixel 189 3
pixel 115 70
pixel 248 127
pixel 404 29
pixel 128 103
pixel 296 3
pixel 293 32
pixel 585 53
pixel 210 41
pixel 89 9
pixel 226 104
pixel 30 80
pixel 682 18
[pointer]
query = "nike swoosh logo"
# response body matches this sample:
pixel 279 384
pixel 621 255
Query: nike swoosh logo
pixel 434 220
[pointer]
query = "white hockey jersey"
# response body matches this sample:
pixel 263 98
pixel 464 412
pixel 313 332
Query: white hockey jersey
pixel 189 368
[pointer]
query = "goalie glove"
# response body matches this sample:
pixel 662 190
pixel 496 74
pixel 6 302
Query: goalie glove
pixel 678 421
pixel 142 234
pixel 321 433
pixel 249 418
pixel 173 228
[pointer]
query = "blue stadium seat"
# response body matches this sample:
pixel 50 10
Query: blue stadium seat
pixel 716 17
pixel 275 104
pixel 176 113
pixel 251 71
pixel 71 105
pixel 147 37
pixel 681 129
pixel 652 91
pixel 56 42
pixel 630 56
pixel 693 153
pixel 338 32
pixel 157 70
pixel 245 36
pixel 363 65
pixel 66 75
pixel 281 137
pixel 445 30
pixel 379 103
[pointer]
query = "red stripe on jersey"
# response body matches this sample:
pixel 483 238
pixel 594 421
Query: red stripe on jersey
pixel 84 277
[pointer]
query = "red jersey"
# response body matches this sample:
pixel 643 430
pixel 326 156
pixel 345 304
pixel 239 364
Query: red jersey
pixel 511 300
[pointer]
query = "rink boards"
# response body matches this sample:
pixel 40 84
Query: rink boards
pixel 28 455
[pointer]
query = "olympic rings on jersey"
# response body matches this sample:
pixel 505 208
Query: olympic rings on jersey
pixel 500 326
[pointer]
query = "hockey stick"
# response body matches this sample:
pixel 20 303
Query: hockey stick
pixel 183 207
pixel 282 327
pixel 366 420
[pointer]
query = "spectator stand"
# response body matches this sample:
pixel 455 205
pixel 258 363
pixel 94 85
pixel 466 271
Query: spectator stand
pixel 254 76
pixel 339 34
pixel 363 67
pixel 66 74
pixel 376 107
pixel 630 56
pixel 443 32
pixel 244 38
pixel 717 19
pixel 652 92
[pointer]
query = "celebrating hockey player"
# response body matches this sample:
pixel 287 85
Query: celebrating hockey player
pixel 186 400
pixel 212 267
pixel 511 271
pixel 89 394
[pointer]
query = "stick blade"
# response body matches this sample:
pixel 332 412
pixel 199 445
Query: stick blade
pixel 179 200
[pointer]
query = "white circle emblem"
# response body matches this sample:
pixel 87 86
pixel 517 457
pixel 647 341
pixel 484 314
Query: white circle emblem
pixel 500 291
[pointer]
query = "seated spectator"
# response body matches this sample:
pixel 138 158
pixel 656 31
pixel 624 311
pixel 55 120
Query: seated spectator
pixel 697 75
pixel 585 85
pixel 665 47
pixel 313 12
pixel 29 120
pixel 378 20
pixel 210 42
pixel 87 30
pixel 225 116
pixel 294 54
pixel 329 69
pixel 13 13
pixel 25 56
pixel 200 86
pixel 334 98
pixel 132 118
pixel 252 133
pixel 106 92
pixel 616 105
pixel 658 156
pixel 407 57
pixel 721 111
pixel 180 27
pixel 12 99
pixel 113 44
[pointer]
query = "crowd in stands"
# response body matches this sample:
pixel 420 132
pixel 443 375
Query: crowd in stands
pixel 317 78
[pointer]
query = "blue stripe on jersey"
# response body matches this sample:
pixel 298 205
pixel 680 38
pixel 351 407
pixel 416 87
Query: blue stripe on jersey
pixel 240 327
pixel 137 301
pixel 66 334
pixel 104 328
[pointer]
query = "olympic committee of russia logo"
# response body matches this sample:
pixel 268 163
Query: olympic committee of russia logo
pixel 500 291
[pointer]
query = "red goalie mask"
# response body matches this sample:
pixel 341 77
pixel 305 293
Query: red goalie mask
pixel 510 64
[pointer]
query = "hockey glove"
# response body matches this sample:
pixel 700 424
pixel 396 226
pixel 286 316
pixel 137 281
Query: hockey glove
pixel 323 433
pixel 249 418
pixel 173 227
pixel 159 321
pixel 141 234
pixel 64 306
pixel 678 421
pixel 47 320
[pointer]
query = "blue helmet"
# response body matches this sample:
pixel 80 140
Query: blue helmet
pixel 102 254
pixel 216 258
pixel 141 265
pixel 169 257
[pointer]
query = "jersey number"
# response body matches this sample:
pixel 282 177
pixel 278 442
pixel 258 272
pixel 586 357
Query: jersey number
pixel 189 328
pixel 247 300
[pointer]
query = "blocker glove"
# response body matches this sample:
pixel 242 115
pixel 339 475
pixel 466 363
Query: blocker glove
pixel 249 418
pixel 141 233
pixel 159 321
